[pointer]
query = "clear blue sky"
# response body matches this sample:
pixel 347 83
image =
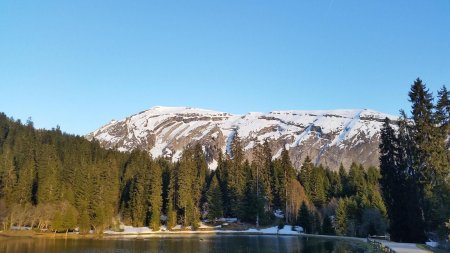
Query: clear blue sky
pixel 82 63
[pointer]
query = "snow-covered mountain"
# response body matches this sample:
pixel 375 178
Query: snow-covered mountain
pixel 328 137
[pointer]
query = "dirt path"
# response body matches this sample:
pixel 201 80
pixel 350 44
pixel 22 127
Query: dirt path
pixel 404 247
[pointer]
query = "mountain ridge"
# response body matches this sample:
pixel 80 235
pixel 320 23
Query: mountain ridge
pixel 329 137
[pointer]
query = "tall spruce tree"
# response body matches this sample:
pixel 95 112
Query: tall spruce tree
pixel 261 164
pixel 48 174
pixel 8 177
pixel 288 175
pixel 215 204
pixel 171 212
pixel 190 182
pixel 185 175
pixel 341 223
pixel 304 218
pixel 343 175
pixel 236 178
pixel 155 200
pixel 335 188
pixel 440 201
pixel 424 137
pixel 432 160
pixel 399 183
pixel 305 174
pixel 391 180
pixel 327 226
pixel 253 201
pixel 317 186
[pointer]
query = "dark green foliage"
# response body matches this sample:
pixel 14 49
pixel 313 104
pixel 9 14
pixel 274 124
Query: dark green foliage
pixel 415 168
pixel 236 178
pixel 288 175
pixel 431 161
pixel 8 177
pixel 305 174
pixel 373 223
pixel 189 181
pixel 142 191
pixel 305 219
pixel 155 196
pixel 262 172
pixel 254 196
pixel 48 174
pixel 84 221
pixel 335 188
pixel 343 175
pixel 65 218
pixel 356 181
pixel 138 204
pixel 341 218
pixel 327 226
pixel 171 212
pixel 56 171
pixel 318 184
pixel 215 204
pixel 394 180
pixel 100 219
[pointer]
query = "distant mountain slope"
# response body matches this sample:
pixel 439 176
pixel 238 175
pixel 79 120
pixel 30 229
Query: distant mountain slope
pixel 329 137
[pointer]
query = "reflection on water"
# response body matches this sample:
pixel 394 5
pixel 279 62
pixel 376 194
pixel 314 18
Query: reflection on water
pixel 185 244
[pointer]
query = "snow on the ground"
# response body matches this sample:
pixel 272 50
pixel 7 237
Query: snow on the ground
pixel 271 230
pixel 286 230
pixel 177 227
pixel 203 226
pixel 213 165
pixel 229 220
pixel 347 130
pixel 432 244
pixel 129 230
pixel 20 228
pixel 278 213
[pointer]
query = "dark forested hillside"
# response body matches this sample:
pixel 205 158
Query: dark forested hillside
pixel 58 182
pixel 55 180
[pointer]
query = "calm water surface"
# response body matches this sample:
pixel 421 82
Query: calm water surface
pixel 186 244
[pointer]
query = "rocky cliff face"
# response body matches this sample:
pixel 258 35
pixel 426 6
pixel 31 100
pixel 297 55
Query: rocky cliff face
pixel 328 137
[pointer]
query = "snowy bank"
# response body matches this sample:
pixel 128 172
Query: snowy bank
pixel 129 230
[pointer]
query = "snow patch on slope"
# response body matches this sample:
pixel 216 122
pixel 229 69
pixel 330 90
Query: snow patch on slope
pixel 165 131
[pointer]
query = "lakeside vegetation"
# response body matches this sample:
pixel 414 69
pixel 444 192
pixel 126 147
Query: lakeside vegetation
pixel 52 181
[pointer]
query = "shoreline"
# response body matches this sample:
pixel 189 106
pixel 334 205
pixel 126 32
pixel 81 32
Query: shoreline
pixel 34 235
pixel 31 235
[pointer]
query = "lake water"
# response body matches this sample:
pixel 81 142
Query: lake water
pixel 184 244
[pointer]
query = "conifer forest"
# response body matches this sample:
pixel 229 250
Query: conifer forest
pixel 58 182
